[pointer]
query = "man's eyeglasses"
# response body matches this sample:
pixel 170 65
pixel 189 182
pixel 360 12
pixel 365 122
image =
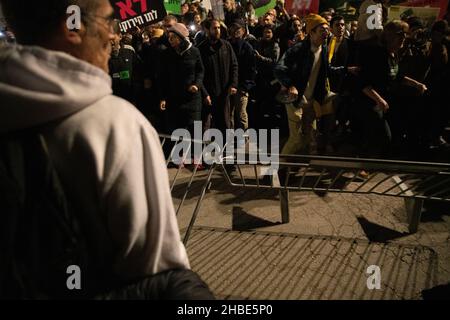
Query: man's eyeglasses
pixel 113 24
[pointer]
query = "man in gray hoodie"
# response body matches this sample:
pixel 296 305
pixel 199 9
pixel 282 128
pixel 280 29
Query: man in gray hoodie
pixel 107 155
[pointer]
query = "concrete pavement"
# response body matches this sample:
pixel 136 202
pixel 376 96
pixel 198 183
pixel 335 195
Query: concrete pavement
pixel 241 249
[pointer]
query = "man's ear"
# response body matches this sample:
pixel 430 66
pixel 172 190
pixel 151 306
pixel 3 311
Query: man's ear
pixel 73 36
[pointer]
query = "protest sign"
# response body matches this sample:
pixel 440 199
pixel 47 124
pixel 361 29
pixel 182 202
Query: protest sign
pixel 173 6
pixel 217 9
pixel 428 15
pixel 302 7
pixel 138 13
pixel 261 6
pixel 441 4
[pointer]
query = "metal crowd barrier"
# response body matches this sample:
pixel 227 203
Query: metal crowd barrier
pixel 415 182
pixel 166 140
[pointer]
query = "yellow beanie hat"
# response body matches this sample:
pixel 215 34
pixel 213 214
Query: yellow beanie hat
pixel 314 20
pixel 156 33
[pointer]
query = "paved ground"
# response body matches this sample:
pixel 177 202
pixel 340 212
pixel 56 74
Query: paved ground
pixel 242 250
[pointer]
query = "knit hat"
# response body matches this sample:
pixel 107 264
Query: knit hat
pixel 157 33
pixel 237 24
pixel 314 20
pixel 180 30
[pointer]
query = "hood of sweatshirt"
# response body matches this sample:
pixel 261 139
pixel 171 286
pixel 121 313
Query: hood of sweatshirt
pixel 38 86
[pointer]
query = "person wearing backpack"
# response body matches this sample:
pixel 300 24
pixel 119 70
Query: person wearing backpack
pixel 57 105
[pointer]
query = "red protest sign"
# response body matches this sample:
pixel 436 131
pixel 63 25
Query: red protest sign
pixel 302 7
pixel 138 13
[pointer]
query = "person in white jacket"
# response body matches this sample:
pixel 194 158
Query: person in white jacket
pixel 106 153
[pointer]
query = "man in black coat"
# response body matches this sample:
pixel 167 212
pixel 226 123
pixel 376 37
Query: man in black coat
pixel 341 52
pixel 152 54
pixel 124 67
pixel 221 78
pixel 245 55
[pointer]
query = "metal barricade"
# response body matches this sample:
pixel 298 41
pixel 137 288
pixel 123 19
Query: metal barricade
pixel 415 182
pixel 205 184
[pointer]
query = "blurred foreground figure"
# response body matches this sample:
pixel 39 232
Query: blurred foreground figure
pixel 120 227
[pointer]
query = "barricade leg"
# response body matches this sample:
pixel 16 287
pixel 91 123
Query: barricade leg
pixel 199 202
pixel 414 213
pixel 284 202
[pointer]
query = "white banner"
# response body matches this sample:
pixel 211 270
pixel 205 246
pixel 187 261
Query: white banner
pixel 217 9
pixel 207 5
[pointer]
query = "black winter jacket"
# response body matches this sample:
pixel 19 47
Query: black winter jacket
pixel 245 55
pixel 221 67
pixel 178 73
pixel 269 54
pixel 295 68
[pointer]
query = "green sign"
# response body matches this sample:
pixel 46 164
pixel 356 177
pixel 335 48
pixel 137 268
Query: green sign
pixel 125 75
pixel 173 6
pixel 262 6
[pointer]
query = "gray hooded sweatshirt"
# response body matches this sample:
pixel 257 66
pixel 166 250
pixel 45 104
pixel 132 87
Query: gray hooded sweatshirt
pixel 107 154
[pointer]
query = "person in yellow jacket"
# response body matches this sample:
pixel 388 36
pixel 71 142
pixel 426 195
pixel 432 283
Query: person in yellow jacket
pixel 303 73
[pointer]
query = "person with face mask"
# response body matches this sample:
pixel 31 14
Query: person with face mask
pixel 303 73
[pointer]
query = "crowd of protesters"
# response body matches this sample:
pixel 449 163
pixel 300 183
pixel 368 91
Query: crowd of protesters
pixel 334 86
pixel 355 91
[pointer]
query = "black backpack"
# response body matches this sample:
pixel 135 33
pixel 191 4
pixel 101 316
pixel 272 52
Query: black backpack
pixel 39 237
